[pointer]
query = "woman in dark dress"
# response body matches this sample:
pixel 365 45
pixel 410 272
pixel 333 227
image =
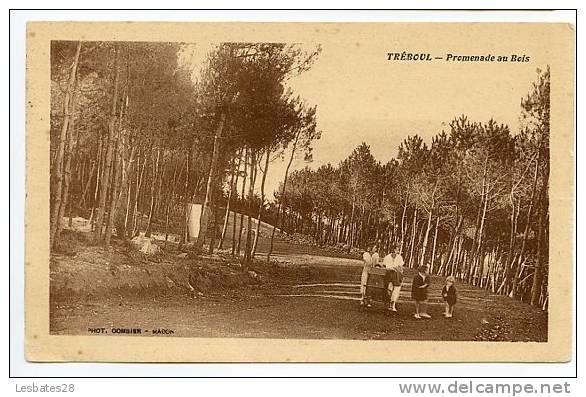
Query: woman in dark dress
pixel 419 292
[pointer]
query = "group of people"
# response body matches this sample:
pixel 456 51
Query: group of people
pixel 393 263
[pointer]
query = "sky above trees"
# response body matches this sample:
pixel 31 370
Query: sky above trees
pixel 362 97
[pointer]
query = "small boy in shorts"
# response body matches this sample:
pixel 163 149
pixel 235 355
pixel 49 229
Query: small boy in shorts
pixel 419 292
pixel 449 294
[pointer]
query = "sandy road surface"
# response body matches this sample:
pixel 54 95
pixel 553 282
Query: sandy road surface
pixel 318 298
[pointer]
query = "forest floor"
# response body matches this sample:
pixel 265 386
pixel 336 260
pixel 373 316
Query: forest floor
pixel 305 294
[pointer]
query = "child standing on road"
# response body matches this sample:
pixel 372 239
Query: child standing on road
pixel 367 262
pixel 394 287
pixel 419 292
pixel 450 296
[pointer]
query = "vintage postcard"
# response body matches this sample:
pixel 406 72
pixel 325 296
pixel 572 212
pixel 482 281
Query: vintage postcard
pixel 299 192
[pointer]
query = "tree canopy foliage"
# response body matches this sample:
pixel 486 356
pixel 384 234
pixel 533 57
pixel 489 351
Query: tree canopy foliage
pixel 473 203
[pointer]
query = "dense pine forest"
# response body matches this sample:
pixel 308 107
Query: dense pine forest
pixel 137 136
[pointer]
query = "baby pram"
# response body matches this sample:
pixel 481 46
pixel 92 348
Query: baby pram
pixel 377 282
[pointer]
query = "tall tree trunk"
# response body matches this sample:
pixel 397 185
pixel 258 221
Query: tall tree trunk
pixel 472 257
pixel 79 168
pixel 537 274
pixel 99 160
pixel 186 207
pixel 169 201
pixel 211 177
pixel 542 245
pixel 117 175
pixel 233 184
pixel 403 217
pixel 282 198
pixel 527 226
pixel 437 221
pixel 123 189
pixel 105 184
pixel 153 186
pixel 66 171
pixel 162 169
pixel 426 237
pixel 86 187
pixel 234 214
pixel 262 202
pixel 510 258
pixel 351 224
pixel 248 247
pixel 247 176
pixel 214 206
pixel 58 163
pixel 513 229
pixel 65 201
pixel 138 194
pixel 413 238
pixel 478 260
pixel 127 210
pixel 510 268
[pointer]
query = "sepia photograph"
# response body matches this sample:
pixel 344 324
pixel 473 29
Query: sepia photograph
pixel 335 188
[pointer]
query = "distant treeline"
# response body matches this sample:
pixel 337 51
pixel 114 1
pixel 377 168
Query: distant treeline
pixel 473 204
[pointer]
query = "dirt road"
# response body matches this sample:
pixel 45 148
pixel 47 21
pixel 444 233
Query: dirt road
pixel 312 299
